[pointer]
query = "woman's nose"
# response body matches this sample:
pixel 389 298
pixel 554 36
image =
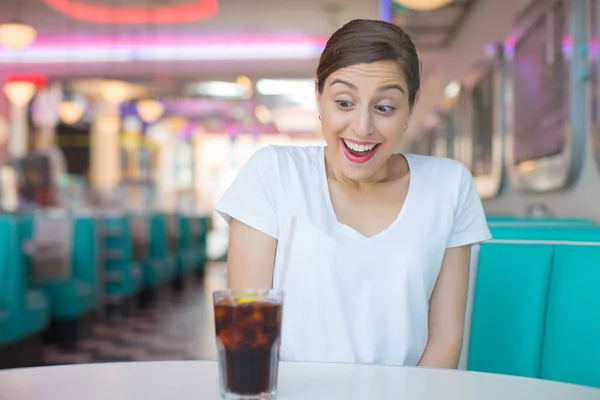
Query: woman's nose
pixel 363 122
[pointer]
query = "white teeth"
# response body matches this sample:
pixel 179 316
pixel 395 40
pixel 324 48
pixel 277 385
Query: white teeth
pixel 359 147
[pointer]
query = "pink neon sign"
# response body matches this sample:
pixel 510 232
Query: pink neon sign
pixel 79 9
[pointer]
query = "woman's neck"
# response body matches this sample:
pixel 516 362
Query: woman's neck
pixel 393 169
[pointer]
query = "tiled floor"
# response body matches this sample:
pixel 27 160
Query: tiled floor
pixel 179 326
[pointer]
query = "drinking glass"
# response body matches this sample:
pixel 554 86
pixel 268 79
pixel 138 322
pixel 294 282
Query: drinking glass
pixel 248 329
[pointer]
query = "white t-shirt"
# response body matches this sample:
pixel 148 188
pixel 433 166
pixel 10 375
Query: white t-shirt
pixel 349 298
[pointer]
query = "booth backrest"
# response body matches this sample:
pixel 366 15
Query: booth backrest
pixel 158 236
pixel 536 310
pixel 84 251
pixel 571 344
pixel 567 224
pixel 509 307
pixel 12 282
pixel 184 232
pixel 542 221
pixel 568 233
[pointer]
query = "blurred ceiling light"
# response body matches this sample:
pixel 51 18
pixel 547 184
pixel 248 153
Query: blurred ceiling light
pixel 108 123
pixel 115 91
pixel 246 84
pixel 16 35
pixel 220 89
pixel 150 110
pixel 271 87
pixel 452 90
pixel 19 93
pixel 263 114
pixel 423 5
pixel 296 119
pixel 236 51
pixel 70 111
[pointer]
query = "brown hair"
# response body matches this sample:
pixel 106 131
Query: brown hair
pixel 367 41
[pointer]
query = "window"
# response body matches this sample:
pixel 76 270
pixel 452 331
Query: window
pixel 540 85
pixel 483 128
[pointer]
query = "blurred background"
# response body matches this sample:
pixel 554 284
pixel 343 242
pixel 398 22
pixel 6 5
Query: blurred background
pixel 123 121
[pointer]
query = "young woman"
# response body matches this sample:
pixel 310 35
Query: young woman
pixel 379 267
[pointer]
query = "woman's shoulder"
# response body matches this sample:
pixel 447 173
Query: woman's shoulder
pixel 441 175
pixel 437 166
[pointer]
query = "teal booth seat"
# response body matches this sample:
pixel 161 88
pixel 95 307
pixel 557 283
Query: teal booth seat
pixel 122 274
pixel 571 344
pixel 10 283
pixel 508 311
pixel 74 295
pixel 548 233
pixel 188 258
pixel 200 238
pixel 536 308
pixel 24 312
pixel 540 220
pixel 162 259
pixel 197 243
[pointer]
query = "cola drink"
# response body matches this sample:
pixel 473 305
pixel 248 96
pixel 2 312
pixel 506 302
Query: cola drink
pixel 248 329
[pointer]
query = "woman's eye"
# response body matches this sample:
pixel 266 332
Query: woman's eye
pixel 344 103
pixel 385 109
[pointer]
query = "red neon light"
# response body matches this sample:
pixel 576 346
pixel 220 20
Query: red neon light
pixel 197 10
pixel 38 80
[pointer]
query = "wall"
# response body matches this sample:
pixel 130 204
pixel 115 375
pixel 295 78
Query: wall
pixel 580 200
pixel 489 21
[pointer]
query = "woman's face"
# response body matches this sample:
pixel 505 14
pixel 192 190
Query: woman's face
pixel 364 109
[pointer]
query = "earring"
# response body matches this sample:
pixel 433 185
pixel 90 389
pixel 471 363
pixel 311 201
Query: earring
pixel 320 118
pixel 405 127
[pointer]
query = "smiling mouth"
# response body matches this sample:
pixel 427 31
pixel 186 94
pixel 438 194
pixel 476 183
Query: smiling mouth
pixel 359 151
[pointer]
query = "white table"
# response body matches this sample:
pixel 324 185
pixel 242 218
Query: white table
pixel 195 380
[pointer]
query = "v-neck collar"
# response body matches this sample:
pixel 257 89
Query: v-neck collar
pixel 349 229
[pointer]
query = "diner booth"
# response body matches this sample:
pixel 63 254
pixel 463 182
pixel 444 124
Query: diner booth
pixel 61 271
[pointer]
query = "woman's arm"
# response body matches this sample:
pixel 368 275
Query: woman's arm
pixel 250 259
pixel 447 310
